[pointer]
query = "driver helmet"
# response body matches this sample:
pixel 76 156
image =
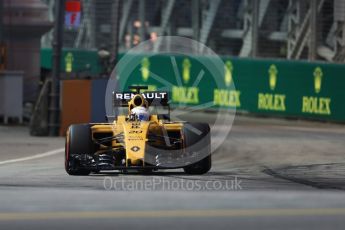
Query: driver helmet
pixel 141 113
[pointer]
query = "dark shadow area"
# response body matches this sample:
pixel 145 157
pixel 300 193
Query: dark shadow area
pixel 322 176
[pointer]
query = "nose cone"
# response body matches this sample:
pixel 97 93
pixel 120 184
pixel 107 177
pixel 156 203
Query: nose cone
pixel 135 141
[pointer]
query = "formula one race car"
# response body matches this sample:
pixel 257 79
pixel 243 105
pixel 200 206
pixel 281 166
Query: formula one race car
pixel 143 139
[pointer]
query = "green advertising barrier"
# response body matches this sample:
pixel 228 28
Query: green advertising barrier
pixel 280 88
pixel 73 60
pixel 269 87
pixel 188 81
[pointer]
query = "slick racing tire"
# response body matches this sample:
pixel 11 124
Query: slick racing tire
pixel 78 141
pixel 197 139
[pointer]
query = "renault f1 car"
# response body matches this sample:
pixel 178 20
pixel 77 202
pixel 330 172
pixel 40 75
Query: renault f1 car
pixel 129 143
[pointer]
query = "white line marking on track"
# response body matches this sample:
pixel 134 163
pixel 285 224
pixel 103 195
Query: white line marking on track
pixel 40 155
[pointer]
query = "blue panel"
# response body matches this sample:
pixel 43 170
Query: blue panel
pixel 97 99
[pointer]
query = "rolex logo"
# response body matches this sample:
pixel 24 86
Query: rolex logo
pixel 273 73
pixel 317 79
pixel 145 69
pixel 186 65
pixel 135 148
pixel 228 68
pixel 69 62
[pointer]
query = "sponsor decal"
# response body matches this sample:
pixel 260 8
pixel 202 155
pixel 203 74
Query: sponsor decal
pixel 186 65
pixel 273 72
pixel 146 95
pixel 226 97
pixel 317 79
pixel 145 69
pixel 135 138
pixel 135 148
pixel 135 131
pixel 272 101
pixel 136 125
pixel 69 62
pixel 315 104
pixel 228 73
pixel 184 94
pixel 188 95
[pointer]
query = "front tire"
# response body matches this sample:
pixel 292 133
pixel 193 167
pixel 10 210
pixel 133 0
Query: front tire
pixel 197 138
pixel 78 141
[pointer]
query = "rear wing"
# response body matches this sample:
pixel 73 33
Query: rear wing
pixel 153 98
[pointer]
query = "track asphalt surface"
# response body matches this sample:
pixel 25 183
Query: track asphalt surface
pixel 268 174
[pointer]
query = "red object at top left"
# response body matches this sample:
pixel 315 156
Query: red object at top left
pixel 73 6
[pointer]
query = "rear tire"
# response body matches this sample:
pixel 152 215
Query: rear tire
pixel 79 141
pixel 200 143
